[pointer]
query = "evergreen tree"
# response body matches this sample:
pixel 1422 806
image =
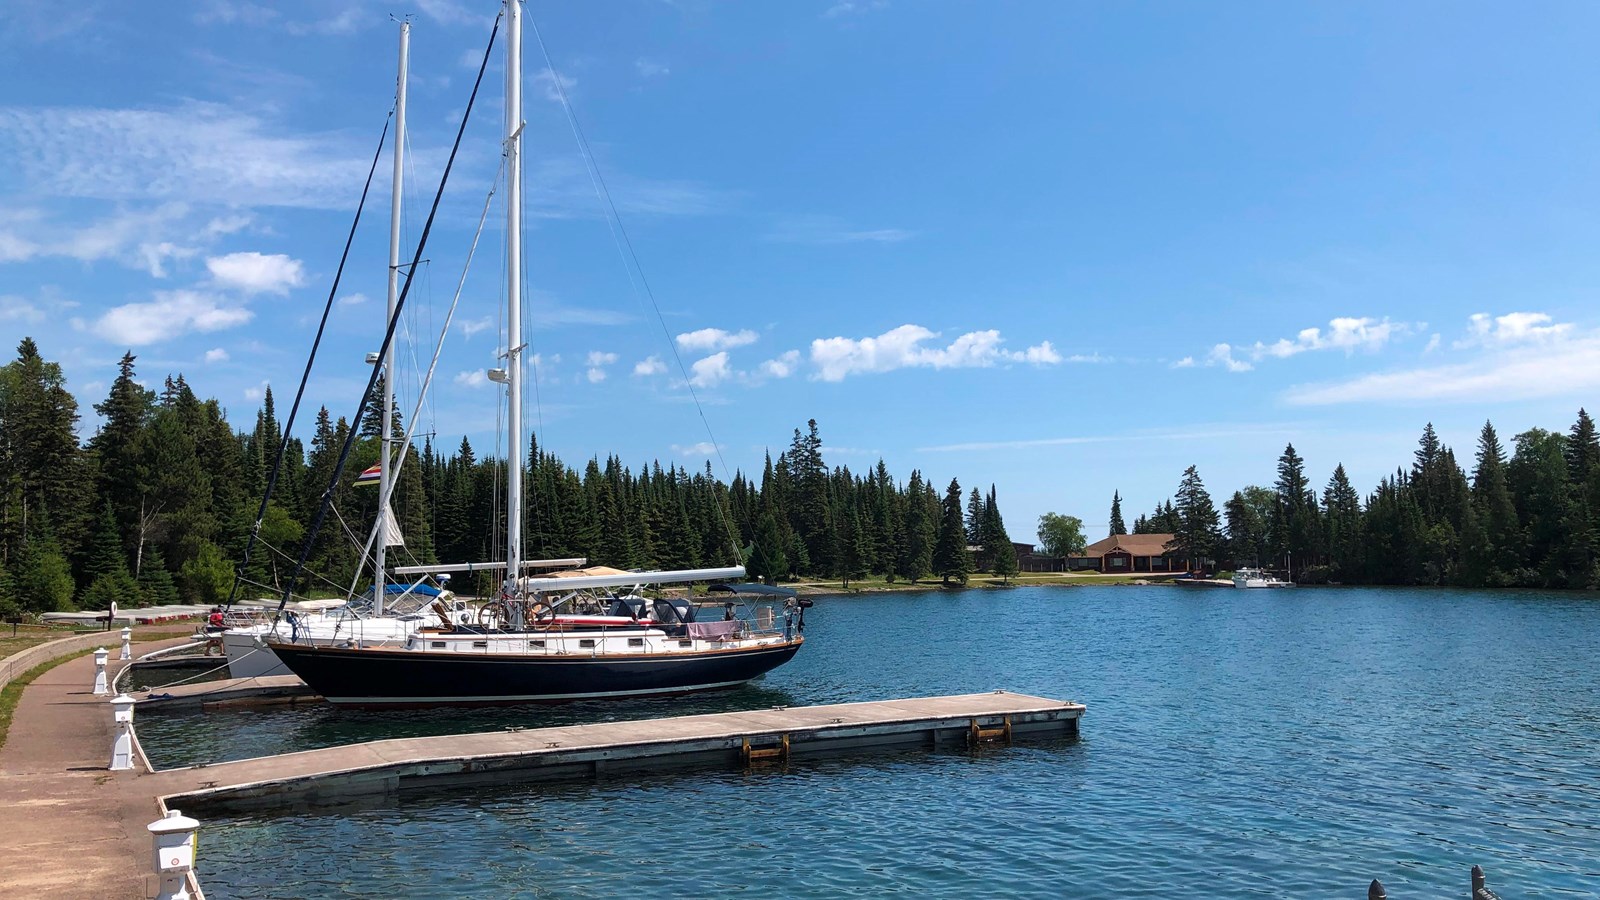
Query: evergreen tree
pixel 156 587
pixel 104 554
pixel 1117 526
pixel 975 531
pixel 119 446
pixel 1003 561
pixel 41 468
pixel 767 560
pixel 1496 511
pixel 1293 526
pixel 1342 514
pixel 951 558
pixel 106 590
pixel 1198 535
pixel 855 547
pixel 43 578
pixel 915 552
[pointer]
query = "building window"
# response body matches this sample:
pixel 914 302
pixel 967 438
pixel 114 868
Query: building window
pixel 1118 562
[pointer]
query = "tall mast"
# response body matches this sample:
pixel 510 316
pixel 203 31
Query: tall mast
pixel 385 463
pixel 514 344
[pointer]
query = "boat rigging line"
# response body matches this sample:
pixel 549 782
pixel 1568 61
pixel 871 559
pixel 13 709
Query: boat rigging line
pixel 288 426
pixel 388 335
pixel 422 395
pixel 614 223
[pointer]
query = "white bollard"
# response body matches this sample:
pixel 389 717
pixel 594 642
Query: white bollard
pixel 100 656
pixel 174 854
pixel 127 644
pixel 122 744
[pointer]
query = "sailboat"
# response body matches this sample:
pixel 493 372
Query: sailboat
pixel 569 636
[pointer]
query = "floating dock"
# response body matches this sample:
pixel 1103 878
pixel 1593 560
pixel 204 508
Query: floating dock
pixel 262 690
pixel 341 774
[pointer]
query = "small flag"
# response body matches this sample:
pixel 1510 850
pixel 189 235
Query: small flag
pixel 370 476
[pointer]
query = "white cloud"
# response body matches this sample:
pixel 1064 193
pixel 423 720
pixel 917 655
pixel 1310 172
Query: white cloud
pixel 16 309
pixel 1433 344
pixel 355 299
pixel 256 392
pixel 598 360
pixel 715 339
pixel 1512 328
pixel 704 448
pixel 171 314
pixel 201 153
pixel 839 357
pixel 256 273
pixel 553 85
pixel 814 229
pixel 473 326
pixel 216 354
pixel 1344 333
pixel 648 68
pixel 1519 364
pixel 650 365
pixel 783 366
pixel 1186 363
pixel 476 378
pixel 710 371
pixel 1222 355
pixel 1192 434
pixel 853 8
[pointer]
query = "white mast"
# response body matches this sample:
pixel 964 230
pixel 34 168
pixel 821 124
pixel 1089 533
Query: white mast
pixel 381 580
pixel 514 343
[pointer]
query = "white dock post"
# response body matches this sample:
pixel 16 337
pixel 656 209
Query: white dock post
pixel 100 657
pixel 127 644
pixel 174 854
pixel 122 745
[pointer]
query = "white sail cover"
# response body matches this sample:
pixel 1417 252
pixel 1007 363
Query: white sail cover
pixel 392 528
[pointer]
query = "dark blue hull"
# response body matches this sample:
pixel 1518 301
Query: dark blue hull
pixel 390 677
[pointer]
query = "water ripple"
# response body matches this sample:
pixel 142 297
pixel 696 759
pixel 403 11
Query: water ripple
pixel 1274 744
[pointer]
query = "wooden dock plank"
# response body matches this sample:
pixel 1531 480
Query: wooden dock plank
pixel 379 766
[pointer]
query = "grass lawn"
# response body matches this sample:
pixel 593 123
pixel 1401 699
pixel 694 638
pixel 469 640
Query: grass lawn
pixel 32 637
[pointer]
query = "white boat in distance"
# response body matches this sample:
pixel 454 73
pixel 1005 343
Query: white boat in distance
pixel 1258 578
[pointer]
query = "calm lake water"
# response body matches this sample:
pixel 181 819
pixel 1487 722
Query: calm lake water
pixel 1287 744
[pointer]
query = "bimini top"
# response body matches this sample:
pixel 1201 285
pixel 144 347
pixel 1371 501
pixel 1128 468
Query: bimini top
pixel 629 579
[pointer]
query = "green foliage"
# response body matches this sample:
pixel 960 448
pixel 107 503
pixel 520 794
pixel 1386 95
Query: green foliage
pixel 164 492
pixel 951 558
pixel 1198 536
pixel 1061 535
pixel 1116 526
pixel 118 588
pixel 206 578
pixel 43 578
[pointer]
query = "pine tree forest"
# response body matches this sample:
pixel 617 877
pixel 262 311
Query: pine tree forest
pixel 156 506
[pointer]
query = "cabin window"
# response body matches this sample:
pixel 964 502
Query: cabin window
pixel 535 644
pixel 480 645
pixel 436 645
pixel 686 643
pixel 635 642
pixel 586 643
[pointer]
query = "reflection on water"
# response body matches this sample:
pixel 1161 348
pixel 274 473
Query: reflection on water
pixel 1292 743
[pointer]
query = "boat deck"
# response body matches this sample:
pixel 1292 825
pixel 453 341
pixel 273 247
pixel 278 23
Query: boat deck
pixel 341 774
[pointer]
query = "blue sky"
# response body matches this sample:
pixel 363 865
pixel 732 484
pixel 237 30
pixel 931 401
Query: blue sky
pixel 1063 248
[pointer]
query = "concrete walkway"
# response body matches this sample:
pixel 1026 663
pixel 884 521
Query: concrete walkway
pixel 72 828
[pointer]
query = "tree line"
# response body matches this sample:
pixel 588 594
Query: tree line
pixel 157 505
pixel 1527 519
